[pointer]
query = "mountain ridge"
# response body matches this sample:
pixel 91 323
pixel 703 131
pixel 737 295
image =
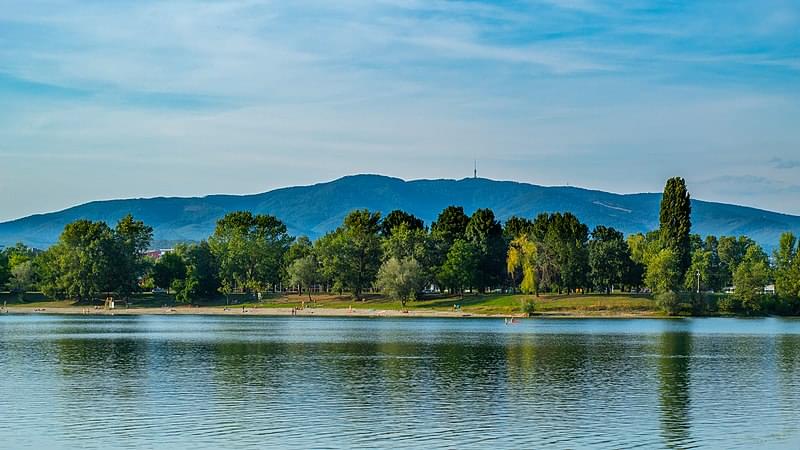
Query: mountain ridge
pixel 315 209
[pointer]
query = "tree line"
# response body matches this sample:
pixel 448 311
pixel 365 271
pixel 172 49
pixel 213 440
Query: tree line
pixel 401 257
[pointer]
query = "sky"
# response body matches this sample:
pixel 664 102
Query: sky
pixel 104 99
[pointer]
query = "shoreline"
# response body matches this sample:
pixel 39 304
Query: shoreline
pixel 314 312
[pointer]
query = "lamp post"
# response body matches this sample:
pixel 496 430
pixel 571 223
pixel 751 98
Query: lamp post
pixel 698 280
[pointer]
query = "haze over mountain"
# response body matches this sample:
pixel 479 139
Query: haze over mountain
pixel 316 209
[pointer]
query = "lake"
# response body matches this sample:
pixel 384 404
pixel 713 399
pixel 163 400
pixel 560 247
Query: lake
pixel 204 382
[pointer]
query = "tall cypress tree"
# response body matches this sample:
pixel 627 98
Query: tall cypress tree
pixel 676 222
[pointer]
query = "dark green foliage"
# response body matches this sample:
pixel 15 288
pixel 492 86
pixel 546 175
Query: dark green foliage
pixel 167 269
pixel 250 251
pixel 396 218
pixel 485 233
pixel 304 272
pixel 787 267
pixel 91 258
pixel 132 238
pixel 516 227
pixel 669 302
pixel 202 269
pixel 405 243
pixel 675 221
pixel 731 251
pixel 729 305
pixel 609 258
pixel 750 277
pixel 300 248
pixel 460 268
pixel 528 306
pixel 191 272
pixel 351 255
pixel 566 239
pixel 5 272
pixel 450 225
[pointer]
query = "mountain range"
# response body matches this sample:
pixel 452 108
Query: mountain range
pixel 316 209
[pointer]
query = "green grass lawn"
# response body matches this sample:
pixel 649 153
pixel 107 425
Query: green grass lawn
pixel 480 304
pixel 503 304
pixel 42 304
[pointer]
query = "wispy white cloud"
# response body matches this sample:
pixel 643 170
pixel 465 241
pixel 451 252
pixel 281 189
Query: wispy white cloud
pixel 190 97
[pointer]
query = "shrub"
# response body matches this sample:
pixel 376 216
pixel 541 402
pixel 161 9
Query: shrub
pixel 787 306
pixel 669 302
pixel 528 306
pixel 729 304
pixel 702 303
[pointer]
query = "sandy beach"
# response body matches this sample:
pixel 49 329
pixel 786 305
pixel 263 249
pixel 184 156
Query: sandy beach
pixel 234 311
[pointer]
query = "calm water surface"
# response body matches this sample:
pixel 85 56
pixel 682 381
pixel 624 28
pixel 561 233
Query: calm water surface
pixel 231 382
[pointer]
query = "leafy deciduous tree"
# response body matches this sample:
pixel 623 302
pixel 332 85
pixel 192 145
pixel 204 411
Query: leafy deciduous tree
pixel 609 257
pixel 304 272
pixel 460 268
pixel 400 279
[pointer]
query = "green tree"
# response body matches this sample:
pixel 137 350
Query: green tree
pixel 202 271
pixel 80 264
pixel 405 242
pixel 304 272
pixel 450 225
pixel 350 255
pixel 701 264
pixel 18 254
pixel 185 288
pixel 663 272
pixel 5 272
pixel 486 234
pixel 250 250
pixel 460 268
pixel 750 277
pixel 516 227
pixel 787 266
pixel 167 269
pixel 675 222
pixel 22 279
pixel 131 240
pixel 400 279
pixel 563 242
pixel 716 278
pixel 396 218
pixel 300 248
pixel 609 258
pixel 731 251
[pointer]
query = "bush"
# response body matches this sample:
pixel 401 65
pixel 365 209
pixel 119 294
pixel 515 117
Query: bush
pixel 729 305
pixel 528 306
pixel 787 306
pixel 702 303
pixel 669 302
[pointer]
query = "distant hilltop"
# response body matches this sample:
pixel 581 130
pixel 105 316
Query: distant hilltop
pixel 316 209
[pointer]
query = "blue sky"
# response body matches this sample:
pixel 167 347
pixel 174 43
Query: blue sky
pixel 108 99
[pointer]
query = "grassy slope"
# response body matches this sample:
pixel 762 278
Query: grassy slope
pixel 485 304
